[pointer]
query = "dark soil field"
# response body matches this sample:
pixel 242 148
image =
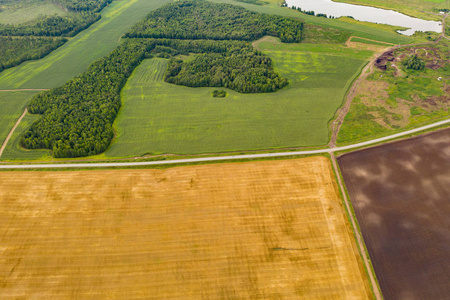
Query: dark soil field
pixel 401 196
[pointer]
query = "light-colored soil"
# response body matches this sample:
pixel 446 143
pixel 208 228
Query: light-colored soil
pixel 272 230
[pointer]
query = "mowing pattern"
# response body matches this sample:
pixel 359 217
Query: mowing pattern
pixel 400 193
pixel 79 52
pixel 234 231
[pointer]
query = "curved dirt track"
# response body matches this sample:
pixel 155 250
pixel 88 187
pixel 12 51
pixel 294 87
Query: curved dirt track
pixel 12 131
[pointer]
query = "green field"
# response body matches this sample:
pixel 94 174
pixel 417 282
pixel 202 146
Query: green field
pixel 370 42
pixel 12 105
pixel 16 13
pixel 157 117
pixel 86 47
pixel 187 120
pixel 13 149
pixel 417 8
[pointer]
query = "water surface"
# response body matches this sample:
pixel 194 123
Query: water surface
pixel 367 14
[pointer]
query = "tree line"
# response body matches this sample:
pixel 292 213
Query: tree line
pixel 84 5
pixel 33 44
pixel 83 13
pixel 77 117
pixel 197 19
pixel 67 26
pixel 14 51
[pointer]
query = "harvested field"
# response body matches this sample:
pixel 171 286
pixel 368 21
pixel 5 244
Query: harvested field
pixel 401 197
pixel 272 230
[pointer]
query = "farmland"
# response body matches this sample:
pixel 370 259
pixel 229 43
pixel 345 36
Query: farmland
pixel 400 194
pixel 257 143
pixel 30 29
pixel 79 52
pixel 247 230
pixel 394 97
pixel 17 13
pixel 157 117
pixel 240 82
pixel 12 105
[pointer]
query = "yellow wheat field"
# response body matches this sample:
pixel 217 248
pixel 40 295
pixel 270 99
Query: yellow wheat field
pixel 258 230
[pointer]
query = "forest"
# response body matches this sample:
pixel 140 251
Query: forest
pixel 38 37
pixel 197 19
pixel 14 51
pixel 242 69
pixel 67 26
pixel 84 5
pixel 78 116
pixel 83 14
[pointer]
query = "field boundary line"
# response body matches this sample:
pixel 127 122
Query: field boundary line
pixel 12 131
pixel 359 238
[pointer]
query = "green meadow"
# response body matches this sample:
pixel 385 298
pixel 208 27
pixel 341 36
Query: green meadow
pixel 12 105
pixel 370 42
pixel 157 117
pixel 16 13
pixel 13 150
pixel 79 52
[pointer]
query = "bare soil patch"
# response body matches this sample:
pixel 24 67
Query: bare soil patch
pixel 401 196
pixel 271 230
pixel 383 59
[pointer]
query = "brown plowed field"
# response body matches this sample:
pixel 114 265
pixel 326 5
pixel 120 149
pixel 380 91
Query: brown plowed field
pixel 401 196
pixel 259 230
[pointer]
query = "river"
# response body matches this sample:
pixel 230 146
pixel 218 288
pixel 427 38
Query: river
pixel 367 14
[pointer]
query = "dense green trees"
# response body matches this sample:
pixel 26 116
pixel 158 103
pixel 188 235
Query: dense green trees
pixel 239 67
pixel 242 69
pixel 51 25
pixel 78 116
pixel 83 14
pixel 14 51
pixel 196 19
pixel 34 42
pixel 84 5
pixel 414 62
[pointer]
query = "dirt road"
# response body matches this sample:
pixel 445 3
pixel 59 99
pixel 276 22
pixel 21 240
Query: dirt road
pixel 12 131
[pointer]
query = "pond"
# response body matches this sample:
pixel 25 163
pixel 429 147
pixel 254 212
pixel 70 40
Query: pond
pixel 368 14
